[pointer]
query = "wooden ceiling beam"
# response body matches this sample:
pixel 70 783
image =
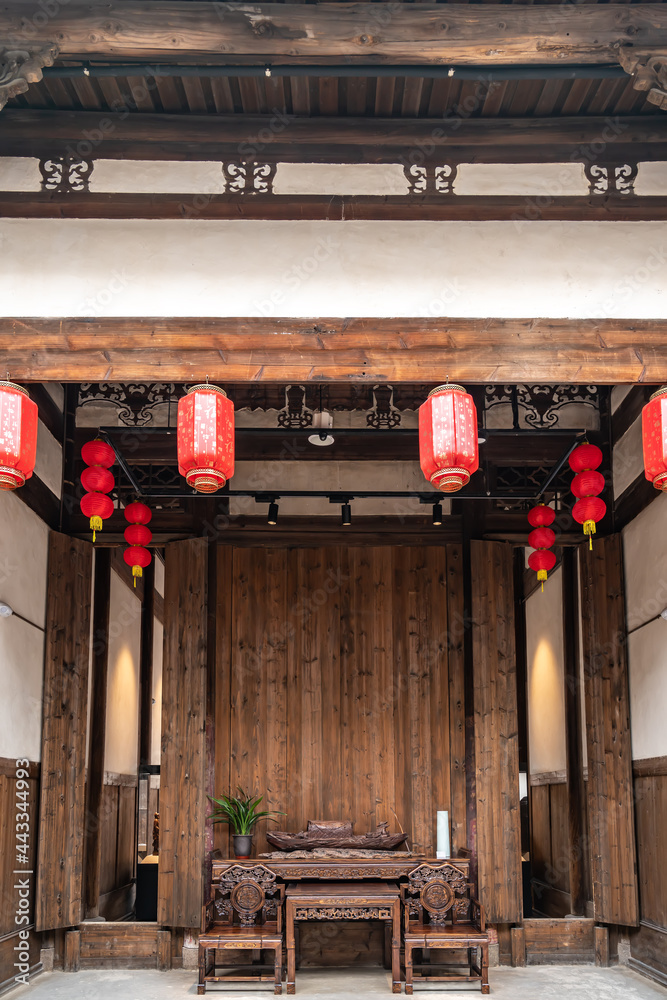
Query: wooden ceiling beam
pixel 608 351
pixel 423 34
pixel 279 138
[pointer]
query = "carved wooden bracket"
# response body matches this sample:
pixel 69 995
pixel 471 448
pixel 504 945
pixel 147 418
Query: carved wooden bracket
pixel 648 71
pixel 19 67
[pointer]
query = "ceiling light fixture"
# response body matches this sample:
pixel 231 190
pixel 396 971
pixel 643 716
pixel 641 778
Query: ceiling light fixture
pixel 346 515
pixel 322 421
pixel 272 516
pixel 5 610
pixel 437 513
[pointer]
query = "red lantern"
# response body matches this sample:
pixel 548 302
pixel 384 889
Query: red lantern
pixel 448 450
pixel 98 507
pixel 137 535
pixel 97 481
pixel 654 436
pixel 541 538
pixel 206 438
pixel 18 436
pixel 586 485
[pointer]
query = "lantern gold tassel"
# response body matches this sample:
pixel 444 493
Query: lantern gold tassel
pixel 589 529
pixel 96 524
pixel 136 571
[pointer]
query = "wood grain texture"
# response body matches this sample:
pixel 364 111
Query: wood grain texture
pixel 496 732
pixel 284 349
pixel 183 759
pixel 338 673
pixel 419 34
pixel 610 788
pixel 40 133
pixel 65 704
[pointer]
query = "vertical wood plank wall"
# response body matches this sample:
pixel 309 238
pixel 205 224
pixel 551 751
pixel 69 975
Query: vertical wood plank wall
pixel 65 703
pixel 340 680
pixel 610 791
pixel 496 732
pixel 183 759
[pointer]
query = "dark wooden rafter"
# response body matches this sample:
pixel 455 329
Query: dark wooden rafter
pixel 329 32
pixel 608 351
pixel 282 138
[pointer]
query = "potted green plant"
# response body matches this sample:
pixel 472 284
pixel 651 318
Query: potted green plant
pixel 241 812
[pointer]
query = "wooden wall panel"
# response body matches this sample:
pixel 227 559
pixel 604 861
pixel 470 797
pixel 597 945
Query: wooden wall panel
pixel 610 792
pixel 65 703
pixel 649 942
pixel 339 681
pixel 183 804
pixel 496 732
pixel 457 739
pixel 8 895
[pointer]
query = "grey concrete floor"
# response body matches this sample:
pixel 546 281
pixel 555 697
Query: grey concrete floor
pixel 565 982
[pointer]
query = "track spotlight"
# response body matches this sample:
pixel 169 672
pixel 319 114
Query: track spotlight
pixel 272 516
pixel 437 513
pixel 346 514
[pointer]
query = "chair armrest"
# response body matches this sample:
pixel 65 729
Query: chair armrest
pixel 207 915
pixel 478 914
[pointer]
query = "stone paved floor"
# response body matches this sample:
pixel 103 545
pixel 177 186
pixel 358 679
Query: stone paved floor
pixel 569 982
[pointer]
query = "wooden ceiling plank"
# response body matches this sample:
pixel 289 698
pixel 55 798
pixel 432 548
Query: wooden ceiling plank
pixel 415 33
pixel 222 95
pixel 195 95
pixel 328 86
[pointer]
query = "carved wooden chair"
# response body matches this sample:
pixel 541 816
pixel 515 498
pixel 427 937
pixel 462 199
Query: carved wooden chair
pixel 440 914
pixel 246 914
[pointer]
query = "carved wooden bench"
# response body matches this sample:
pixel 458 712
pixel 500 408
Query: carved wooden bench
pixel 439 913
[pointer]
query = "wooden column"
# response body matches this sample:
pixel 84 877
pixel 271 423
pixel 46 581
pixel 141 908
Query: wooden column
pixel 576 787
pixel 457 734
pixel 146 665
pixel 496 732
pixel 183 762
pixel 65 705
pixel 610 791
pixel 97 735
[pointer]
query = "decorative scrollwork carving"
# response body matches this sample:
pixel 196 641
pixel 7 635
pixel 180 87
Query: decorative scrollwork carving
pixel 540 405
pixel 383 413
pixel 247 898
pixel 258 874
pixel 648 71
pixel 437 897
pixel 248 177
pixel 223 908
pixel 342 913
pixel 135 400
pixel 462 908
pixel 19 67
pixel 65 174
pixel 611 178
pixel 449 873
pixel 430 178
pixel 295 413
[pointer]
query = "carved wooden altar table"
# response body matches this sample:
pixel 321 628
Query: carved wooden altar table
pixel 343 901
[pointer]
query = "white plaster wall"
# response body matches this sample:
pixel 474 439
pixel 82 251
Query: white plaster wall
pixel 618 394
pixel 554 180
pixel 628 461
pixel 546 691
pixel 236 268
pixel 159 575
pixel 23 560
pixel 645 560
pixel 651 179
pixel 122 733
pixel 49 460
pixel 157 176
pixel 156 716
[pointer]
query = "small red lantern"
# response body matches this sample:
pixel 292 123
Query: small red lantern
pixel 448 449
pixel 586 485
pixel 18 436
pixel 97 480
pixel 137 535
pixel 541 538
pixel 654 436
pixel 206 438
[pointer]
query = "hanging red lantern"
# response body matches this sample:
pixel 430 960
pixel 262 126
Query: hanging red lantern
pixel 586 485
pixel 137 536
pixel 541 538
pixel 654 437
pixel 97 480
pixel 18 435
pixel 448 449
pixel 206 438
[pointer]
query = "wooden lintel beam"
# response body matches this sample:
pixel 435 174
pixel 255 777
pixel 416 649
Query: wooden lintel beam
pixel 286 138
pixel 332 32
pixel 335 208
pixel 261 349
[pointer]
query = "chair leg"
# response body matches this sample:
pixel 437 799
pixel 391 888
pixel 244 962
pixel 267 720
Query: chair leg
pixel 201 985
pixel 278 969
pixel 485 968
pixel 408 969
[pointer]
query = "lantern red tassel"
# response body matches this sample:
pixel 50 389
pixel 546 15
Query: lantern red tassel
pixel 448 449
pixel 97 480
pixel 206 438
pixel 586 485
pixel 654 437
pixel 18 436
pixel 541 538
pixel 137 535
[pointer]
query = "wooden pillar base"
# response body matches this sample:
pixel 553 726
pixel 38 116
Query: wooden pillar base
pixel 72 951
pixel 601 946
pixel 164 951
pixel 518 945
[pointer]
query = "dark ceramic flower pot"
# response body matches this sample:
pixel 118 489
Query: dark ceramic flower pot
pixel 242 845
